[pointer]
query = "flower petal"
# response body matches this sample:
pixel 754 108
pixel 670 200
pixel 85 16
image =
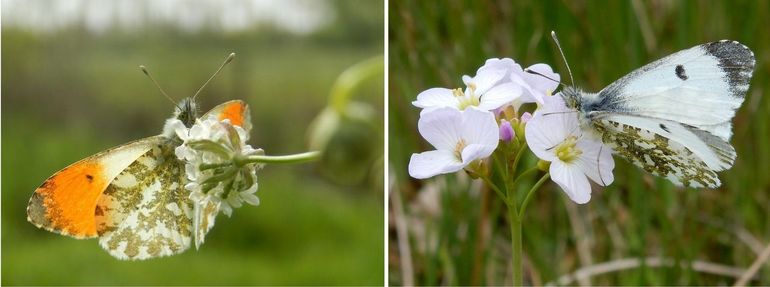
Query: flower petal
pixel 490 74
pixel 499 96
pixel 436 97
pixel 250 198
pixel 441 127
pixel 572 180
pixel 480 127
pixel 596 161
pixel 539 83
pixel 476 151
pixel 555 103
pixel 432 163
pixel 546 130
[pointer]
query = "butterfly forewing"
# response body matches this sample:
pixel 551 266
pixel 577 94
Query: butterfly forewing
pixel 236 111
pixel 65 202
pixel 700 87
pixel 145 212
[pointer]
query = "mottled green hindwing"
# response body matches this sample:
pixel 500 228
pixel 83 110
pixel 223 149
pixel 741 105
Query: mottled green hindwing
pixel 657 154
pixel 203 220
pixel 146 211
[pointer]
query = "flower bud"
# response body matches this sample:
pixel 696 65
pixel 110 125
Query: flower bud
pixel 525 117
pixel 543 165
pixel 506 131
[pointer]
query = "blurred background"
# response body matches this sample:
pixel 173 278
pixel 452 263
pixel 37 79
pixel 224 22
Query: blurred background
pixel 449 231
pixel 71 87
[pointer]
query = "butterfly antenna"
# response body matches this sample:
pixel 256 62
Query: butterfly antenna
pixel 227 60
pixel 556 40
pixel 144 70
pixel 544 76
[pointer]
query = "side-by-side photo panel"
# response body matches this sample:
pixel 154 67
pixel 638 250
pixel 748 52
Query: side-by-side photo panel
pixel 578 143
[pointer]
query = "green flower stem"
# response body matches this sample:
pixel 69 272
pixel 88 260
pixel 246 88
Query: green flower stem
pixel 495 188
pixel 293 158
pixel 515 222
pixel 524 174
pixel 537 185
pixel 519 153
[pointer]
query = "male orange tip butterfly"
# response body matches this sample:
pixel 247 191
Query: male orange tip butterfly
pixel 132 197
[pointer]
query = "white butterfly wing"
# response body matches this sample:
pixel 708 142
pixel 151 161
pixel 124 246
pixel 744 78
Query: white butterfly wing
pixel 700 87
pixel 683 154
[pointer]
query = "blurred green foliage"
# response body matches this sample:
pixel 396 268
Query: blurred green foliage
pixel 458 231
pixel 70 94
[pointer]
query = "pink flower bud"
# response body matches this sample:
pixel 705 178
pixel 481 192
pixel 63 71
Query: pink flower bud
pixel 506 131
pixel 526 117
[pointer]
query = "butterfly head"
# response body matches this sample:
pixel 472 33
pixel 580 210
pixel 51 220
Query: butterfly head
pixel 572 97
pixel 187 112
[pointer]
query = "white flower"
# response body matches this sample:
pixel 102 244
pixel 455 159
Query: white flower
pixel 211 151
pixel 460 137
pixel 535 86
pixel 553 134
pixel 488 90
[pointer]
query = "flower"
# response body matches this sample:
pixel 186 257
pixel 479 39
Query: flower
pixel 535 85
pixel 460 138
pixel 553 134
pixel 488 90
pixel 212 151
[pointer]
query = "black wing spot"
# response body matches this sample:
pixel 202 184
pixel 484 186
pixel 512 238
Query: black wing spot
pixel 90 178
pixel 680 72
pixel 662 126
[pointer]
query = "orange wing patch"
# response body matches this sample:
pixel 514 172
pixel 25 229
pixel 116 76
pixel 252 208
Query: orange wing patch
pixel 65 202
pixel 234 111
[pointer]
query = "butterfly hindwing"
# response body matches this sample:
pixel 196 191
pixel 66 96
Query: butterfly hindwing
pixel 65 202
pixel 146 212
pixel 684 155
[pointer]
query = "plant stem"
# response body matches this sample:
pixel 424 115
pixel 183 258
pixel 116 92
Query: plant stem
pixel 495 188
pixel 293 158
pixel 537 185
pixel 515 222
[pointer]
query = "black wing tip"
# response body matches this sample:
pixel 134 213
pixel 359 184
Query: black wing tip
pixel 736 61
pixel 733 50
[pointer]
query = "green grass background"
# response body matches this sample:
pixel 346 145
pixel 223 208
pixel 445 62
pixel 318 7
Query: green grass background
pixel 433 43
pixel 70 94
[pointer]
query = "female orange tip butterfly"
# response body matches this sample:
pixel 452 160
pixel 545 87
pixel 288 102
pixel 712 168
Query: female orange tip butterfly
pixel 132 196
pixel 671 117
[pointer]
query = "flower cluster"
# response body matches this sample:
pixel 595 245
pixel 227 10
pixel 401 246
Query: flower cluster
pixel 467 125
pixel 553 134
pixel 213 152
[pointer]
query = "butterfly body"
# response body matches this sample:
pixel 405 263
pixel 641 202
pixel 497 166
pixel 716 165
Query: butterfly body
pixel 673 116
pixel 132 196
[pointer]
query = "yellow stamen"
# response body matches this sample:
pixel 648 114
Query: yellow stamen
pixel 566 151
pixel 459 149
pixel 458 92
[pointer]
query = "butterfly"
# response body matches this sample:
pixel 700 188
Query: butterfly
pixel 672 117
pixel 133 197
